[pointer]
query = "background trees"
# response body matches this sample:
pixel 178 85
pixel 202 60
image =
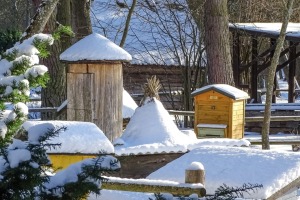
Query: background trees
pixel 15 14
pixel 75 14
pixel 162 33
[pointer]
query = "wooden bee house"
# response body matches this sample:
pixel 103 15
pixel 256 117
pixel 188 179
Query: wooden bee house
pixel 219 111
pixel 95 83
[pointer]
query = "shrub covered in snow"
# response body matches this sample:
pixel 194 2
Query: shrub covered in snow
pixel 20 70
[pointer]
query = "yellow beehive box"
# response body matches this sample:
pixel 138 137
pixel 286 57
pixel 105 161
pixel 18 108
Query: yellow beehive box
pixel 220 104
pixel 78 141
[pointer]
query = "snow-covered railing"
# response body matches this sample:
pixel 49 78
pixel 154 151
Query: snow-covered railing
pixel 154 186
pixel 275 106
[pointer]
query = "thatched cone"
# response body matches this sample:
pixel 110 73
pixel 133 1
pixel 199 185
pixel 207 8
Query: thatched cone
pixel 151 89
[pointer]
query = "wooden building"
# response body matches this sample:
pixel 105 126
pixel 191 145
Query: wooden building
pixel 170 77
pixel 248 54
pixel 219 111
pixel 95 83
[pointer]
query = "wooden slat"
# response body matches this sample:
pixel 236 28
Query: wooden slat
pixel 108 97
pixel 80 97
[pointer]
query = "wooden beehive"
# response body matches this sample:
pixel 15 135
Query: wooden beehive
pixel 219 111
pixel 95 83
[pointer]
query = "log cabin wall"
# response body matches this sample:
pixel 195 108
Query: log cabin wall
pixel 171 78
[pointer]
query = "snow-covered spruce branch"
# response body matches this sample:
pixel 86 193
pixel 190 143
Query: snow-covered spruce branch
pixel 20 70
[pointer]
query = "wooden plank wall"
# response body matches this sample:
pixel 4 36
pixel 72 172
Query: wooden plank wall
pixel 171 78
pixel 108 97
pixel 94 93
pixel 80 97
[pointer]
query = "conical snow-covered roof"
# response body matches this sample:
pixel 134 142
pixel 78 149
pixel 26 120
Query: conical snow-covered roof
pixel 152 124
pixel 94 47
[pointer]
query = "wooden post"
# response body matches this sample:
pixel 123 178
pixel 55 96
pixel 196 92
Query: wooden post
pixel 292 72
pixel 195 173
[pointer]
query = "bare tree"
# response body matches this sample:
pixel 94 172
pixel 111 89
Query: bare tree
pixel 127 24
pixel 161 33
pixel 288 9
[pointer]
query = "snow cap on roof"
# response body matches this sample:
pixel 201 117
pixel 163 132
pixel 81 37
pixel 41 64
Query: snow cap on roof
pixel 224 89
pixel 95 47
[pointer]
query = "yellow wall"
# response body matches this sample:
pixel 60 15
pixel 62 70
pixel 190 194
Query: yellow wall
pixel 62 161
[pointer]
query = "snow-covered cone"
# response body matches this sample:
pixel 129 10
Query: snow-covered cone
pixel 151 129
pixel 151 123
pixel 129 105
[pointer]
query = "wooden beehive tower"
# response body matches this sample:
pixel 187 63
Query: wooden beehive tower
pixel 219 111
pixel 95 83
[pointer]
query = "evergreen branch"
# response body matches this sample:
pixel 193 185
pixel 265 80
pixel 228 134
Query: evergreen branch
pixel 228 192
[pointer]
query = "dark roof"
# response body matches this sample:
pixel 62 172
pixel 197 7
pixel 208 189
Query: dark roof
pixel 270 30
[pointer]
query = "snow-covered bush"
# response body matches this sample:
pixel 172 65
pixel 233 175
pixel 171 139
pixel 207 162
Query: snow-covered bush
pixel 24 171
pixel 24 163
pixel 20 70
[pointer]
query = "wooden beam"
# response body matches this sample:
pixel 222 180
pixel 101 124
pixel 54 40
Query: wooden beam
pixel 292 73
pixel 276 142
pixel 265 65
pixel 273 119
pixel 152 186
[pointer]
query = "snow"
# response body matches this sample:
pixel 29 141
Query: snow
pixel 151 128
pixel 195 166
pixel 79 137
pixel 151 39
pixel 5 67
pixel 15 157
pixel 27 48
pixel 22 108
pixel 236 166
pixel 129 105
pixel 224 89
pixel 37 70
pixel 153 182
pixel 212 125
pixel 95 47
pixel 293 29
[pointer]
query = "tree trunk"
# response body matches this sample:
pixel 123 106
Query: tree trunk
pixel 71 13
pixel 81 22
pixel 40 19
pixel 271 74
pixel 217 42
pixel 55 92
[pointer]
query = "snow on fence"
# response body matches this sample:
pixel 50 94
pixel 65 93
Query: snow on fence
pixel 154 186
